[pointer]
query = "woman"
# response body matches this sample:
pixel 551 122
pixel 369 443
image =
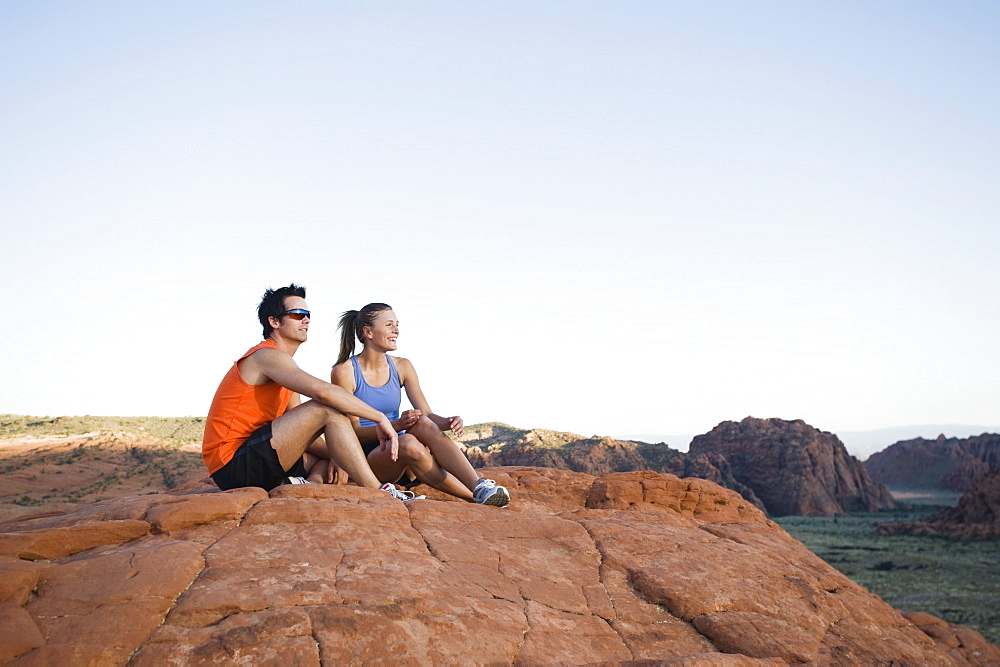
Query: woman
pixel 376 378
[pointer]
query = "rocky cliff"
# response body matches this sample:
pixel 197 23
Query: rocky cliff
pixel 623 568
pixel 952 464
pixel 977 516
pixel 794 468
pixel 502 445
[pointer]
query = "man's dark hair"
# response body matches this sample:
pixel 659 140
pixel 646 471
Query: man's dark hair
pixel 273 304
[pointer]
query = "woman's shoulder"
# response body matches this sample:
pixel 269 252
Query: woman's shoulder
pixel 347 363
pixel 343 373
pixel 403 366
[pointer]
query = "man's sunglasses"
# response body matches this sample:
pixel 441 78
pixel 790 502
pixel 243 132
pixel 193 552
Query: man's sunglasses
pixel 297 314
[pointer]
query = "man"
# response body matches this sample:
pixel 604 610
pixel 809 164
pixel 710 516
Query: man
pixel 258 433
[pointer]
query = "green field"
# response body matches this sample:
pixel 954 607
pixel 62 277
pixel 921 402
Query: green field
pixel 956 581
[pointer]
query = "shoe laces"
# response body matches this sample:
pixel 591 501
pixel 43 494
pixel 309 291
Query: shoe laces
pixel 400 495
pixel 486 484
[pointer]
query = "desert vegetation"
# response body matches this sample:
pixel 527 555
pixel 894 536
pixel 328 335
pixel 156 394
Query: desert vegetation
pixel 54 464
pixel 174 430
pixel 956 581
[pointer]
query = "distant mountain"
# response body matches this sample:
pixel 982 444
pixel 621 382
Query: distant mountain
pixel 977 516
pixel 495 444
pixel 863 444
pixel 952 464
pixel 793 467
pixel 678 442
pixel 785 467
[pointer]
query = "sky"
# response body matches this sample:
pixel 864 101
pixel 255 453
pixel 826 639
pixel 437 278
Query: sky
pixel 610 218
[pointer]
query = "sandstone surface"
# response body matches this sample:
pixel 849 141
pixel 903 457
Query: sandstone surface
pixel 625 568
pixel 945 464
pixel 794 468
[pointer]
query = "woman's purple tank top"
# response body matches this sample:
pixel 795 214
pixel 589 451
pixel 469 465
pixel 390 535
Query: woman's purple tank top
pixel 385 399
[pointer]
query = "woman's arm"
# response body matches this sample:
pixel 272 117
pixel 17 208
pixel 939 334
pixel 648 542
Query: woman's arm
pixel 408 378
pixel 342 375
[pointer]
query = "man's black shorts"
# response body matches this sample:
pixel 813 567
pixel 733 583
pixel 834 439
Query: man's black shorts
pixel 256 463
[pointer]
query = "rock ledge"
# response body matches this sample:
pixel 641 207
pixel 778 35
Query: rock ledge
pixel 628 567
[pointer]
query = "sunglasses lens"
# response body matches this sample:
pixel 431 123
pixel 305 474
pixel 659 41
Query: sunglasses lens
pixel 298 314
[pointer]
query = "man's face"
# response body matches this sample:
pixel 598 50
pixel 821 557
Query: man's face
pixel 289 326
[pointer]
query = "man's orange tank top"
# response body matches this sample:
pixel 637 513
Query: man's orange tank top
pixel 238 410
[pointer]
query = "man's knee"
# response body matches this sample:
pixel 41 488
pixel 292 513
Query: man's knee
pixel 337 418
pixel 325 411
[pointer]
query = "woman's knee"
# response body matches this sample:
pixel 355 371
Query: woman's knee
pixel 424 427
pixel 411 450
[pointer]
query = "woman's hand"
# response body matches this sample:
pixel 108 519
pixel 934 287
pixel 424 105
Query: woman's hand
pixel 456 426
pixel 407 419
pixel 387 438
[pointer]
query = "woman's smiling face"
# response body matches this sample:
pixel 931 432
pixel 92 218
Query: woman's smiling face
pixel 384 331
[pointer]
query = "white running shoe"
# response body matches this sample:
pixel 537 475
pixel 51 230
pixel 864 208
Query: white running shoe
pixel 296 480
pixel 404 496
pixel 488 493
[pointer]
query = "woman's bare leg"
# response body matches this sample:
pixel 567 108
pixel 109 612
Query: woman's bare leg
pixel 315 467
pixel 446 452
pixel 416 456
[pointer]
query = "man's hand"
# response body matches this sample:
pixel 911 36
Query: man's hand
pixel 456 425
pixel 408 419
pixel 335 474
pixel 387 437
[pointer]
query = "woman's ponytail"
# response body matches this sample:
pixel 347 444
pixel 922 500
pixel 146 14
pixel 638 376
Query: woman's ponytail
pixel 347 323
pixel 352 323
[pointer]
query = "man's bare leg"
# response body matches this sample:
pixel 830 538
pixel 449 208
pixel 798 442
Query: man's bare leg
pixel 294 431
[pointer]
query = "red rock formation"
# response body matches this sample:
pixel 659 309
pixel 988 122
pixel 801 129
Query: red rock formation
pixel 955 639
pixel 716 468
pixel 977 516
pixel 627 567
pixel 794 468
pixel 502 445
pixel 952 464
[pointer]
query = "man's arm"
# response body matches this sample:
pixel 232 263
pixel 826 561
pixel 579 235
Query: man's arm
pixel 279 367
